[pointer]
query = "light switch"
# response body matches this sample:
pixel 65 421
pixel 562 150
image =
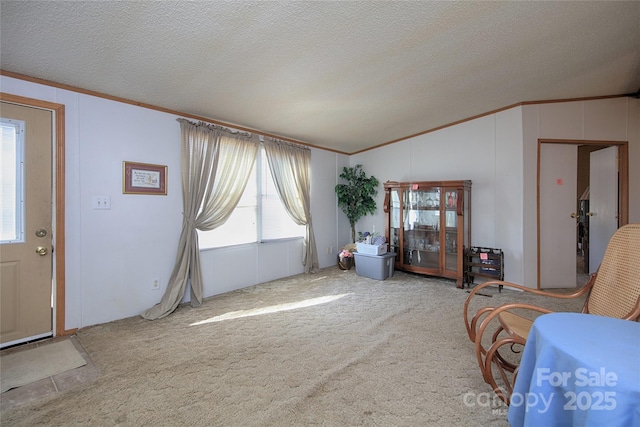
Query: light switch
pixel 101 202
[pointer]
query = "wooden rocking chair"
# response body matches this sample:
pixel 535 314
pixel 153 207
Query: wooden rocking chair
pixel 613 291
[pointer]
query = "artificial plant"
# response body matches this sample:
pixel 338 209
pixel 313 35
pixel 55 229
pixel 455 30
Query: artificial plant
pixel 356 198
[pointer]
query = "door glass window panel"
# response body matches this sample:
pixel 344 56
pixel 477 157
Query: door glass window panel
pixel 12 181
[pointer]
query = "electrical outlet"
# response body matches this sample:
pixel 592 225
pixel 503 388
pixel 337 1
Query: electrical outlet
pixel 155 284
pixel 329 250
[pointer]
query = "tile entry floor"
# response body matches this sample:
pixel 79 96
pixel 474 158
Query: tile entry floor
pixel 48 387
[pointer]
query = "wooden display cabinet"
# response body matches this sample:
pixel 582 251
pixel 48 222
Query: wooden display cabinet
pixel 428 226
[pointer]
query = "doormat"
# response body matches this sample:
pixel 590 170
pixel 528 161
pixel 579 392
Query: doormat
pixel 24 367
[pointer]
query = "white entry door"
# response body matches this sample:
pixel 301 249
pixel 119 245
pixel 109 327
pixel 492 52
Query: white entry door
pixel 558 188
pixel 26 233
pixel 603 202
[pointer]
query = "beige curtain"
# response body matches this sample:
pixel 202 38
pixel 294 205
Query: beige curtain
pixel 216 164
pixel 290 166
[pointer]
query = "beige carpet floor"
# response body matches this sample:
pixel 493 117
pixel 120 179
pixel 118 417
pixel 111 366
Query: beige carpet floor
pixel 327 349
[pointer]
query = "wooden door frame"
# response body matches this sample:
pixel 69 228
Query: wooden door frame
pixel 623 181
pixel 59 200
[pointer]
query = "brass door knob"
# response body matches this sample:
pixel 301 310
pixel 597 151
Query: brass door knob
pixel 41 250
pixel 574 215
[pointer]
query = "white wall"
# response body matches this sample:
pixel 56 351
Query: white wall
pixel 498 153
pixel 327 218
pixel 343 229
pixel 633 126
pixel 113 255
pixel 124 248
pixel 488 151
pixel 613 119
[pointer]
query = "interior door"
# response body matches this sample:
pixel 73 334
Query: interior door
pixel 558 183
pixel 25 246
pixel 603 202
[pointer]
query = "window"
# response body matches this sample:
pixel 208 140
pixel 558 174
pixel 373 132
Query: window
pixel 11 181
pixel 259 217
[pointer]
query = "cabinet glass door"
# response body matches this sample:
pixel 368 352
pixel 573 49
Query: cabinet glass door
pixel 451 229
pixel 394 222
pixel 421 228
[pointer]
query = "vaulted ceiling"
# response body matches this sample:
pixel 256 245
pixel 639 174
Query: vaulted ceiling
pixel 342 75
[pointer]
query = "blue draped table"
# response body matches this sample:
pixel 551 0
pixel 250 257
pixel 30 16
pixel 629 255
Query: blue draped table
pixel 578 370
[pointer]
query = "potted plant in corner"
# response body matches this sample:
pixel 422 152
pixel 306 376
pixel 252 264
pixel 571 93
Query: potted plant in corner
pixel 356 197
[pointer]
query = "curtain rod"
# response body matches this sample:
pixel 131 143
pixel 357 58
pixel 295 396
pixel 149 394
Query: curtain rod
pixel 243 132
pixel 216 126
pixel 289 143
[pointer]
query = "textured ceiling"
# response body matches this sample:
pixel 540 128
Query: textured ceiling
pixel 342 75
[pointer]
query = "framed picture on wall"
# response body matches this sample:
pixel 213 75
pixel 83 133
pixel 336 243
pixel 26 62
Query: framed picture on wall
pixel 144 178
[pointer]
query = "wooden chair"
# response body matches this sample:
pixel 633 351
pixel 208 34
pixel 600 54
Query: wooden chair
pixel 613 291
